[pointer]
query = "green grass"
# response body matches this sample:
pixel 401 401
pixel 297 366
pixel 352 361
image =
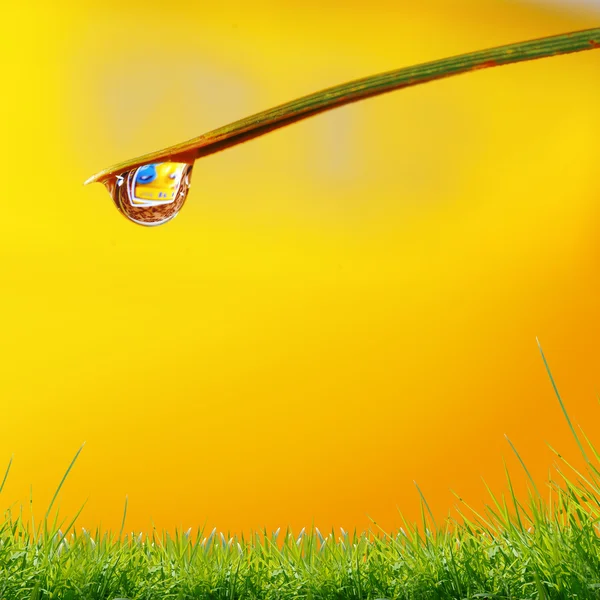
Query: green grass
pixel 546 548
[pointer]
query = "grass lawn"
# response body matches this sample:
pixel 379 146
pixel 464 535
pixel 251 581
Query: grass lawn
pixel 546 548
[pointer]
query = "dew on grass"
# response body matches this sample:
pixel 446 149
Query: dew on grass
pixel 151 194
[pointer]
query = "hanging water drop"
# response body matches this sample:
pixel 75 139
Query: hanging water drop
pixel 151 194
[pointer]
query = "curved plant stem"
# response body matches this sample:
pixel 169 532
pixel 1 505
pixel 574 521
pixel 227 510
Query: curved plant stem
pixel 307 106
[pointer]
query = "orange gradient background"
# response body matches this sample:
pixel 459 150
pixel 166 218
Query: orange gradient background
pixel 342 307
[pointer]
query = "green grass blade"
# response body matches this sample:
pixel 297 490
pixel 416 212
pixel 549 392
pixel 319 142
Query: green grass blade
pixel 523 465
pixel 124 517
pixel 6 474
pixel 62 481
pixel 562 405
pixel 367 87
pixel 427 506
pixel 514 499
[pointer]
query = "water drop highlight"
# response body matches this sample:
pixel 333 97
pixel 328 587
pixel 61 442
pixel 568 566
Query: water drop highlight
pixel 151 194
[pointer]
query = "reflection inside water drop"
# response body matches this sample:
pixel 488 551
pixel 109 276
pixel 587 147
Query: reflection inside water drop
pixel 151 194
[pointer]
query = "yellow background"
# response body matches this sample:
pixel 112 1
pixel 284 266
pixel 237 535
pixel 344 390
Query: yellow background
pixel 342 307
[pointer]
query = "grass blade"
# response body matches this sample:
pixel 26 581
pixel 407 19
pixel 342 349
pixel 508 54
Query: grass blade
pixel 62 481
pixel 6 474
pixel 562 405
pixel 367 87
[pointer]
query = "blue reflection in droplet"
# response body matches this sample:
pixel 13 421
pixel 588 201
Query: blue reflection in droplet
pixel 146 174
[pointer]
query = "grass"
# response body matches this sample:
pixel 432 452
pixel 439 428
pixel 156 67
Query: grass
pixel 547 548
pixel 308 106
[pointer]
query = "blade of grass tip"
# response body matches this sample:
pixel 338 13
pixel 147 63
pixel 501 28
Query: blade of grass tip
pixel 62 481
pixel 562 405
pixel 427 505
pixel 512 494
pixel 124 516
pixel 523 465
pixel 424 521
pixel 286 114
pixel 6 473
pixel 54 524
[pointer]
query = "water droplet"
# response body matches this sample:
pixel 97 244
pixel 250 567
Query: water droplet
pixel 151 194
